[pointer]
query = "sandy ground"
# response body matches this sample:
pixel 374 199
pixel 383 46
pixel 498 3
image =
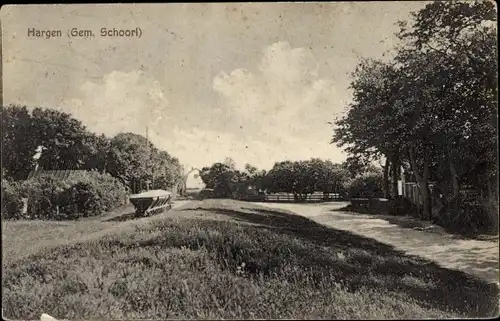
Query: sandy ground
pixel 479 258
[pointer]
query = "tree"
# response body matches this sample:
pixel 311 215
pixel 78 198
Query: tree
pixel 433 104
pixel 449 53
pixel 166 170
pixel 18 146
pixel 334 178
pixel 128 159
pixel 366 185
pixel 67 143
pixel 356 165
pixel 281 177
pixel 256 178
pixel 302 178
pixel 98 159
pixel 221 178
pixel 371 129
pixel 136 161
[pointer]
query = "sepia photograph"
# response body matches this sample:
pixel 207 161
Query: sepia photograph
pixel 298 160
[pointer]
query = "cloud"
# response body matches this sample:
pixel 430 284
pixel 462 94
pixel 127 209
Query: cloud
pixel 281 103
pixel 285 92
pixel 119 102
pixel 287 99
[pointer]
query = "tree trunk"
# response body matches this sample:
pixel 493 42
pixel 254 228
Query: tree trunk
pixel 490 189
pixel 426 195
pixel 394 174
pixel 385 185
pixel 422 183
pixel 455 196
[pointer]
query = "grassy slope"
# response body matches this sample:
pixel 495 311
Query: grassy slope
pixel 187 263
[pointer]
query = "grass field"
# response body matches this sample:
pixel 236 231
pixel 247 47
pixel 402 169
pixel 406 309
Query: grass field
pixel 218 259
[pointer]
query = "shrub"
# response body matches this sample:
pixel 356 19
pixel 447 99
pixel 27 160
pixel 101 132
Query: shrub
pixel 44 196
pixel 368 185
pixel 92 194
pixel 206 193
pixel 401 206
pixel 85 194
pixel 491 210
pixel 12 199
pixel 473 216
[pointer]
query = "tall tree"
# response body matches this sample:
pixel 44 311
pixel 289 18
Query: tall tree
pixel 128 159
pixel 435 103
pixel 448 55
pixel 67 143
pixel 18 146
pixel 371 128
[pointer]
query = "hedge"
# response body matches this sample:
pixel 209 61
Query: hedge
pixel 86 194
pixel 12 203
pixel 474 216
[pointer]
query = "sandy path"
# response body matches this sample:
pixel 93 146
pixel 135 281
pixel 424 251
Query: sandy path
pixel 479 258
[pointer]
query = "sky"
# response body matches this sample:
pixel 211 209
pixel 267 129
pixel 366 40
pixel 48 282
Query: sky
pixel 254 82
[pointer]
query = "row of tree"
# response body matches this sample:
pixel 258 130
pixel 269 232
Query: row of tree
pixel 432 109
pixel 299 178
pixel 69 145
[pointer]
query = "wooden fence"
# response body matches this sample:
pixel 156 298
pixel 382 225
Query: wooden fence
pixel 287 197
pixel 412 193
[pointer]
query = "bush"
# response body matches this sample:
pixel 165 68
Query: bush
pixel 86 194
pixel 473 216
pixel 44 196
pixel 206 193
pixel 491 210
pixel 368 185
pixel 12 199
pixel 402 206
pixel 91 194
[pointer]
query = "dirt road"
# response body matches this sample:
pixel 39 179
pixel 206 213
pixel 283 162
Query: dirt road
pixel 479 258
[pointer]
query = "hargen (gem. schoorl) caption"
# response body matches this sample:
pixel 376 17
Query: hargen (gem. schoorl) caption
pixel 85 33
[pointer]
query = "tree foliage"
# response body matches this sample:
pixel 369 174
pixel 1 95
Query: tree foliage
pixel 69 145
pixel 299 178
pixel 226 180
pixel 136 162
pixel 433 108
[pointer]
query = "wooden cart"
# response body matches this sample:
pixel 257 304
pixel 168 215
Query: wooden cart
pixel 151 202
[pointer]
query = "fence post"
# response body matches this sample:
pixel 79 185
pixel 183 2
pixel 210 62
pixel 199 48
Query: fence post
pixel 24 210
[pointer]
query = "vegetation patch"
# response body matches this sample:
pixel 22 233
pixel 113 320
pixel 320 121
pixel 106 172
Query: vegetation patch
pixel 83 195
pixel 279 266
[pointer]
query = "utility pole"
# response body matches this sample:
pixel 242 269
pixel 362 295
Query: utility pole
pixel 149 163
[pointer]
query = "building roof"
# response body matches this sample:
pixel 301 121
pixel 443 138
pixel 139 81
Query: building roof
pixel 63 174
